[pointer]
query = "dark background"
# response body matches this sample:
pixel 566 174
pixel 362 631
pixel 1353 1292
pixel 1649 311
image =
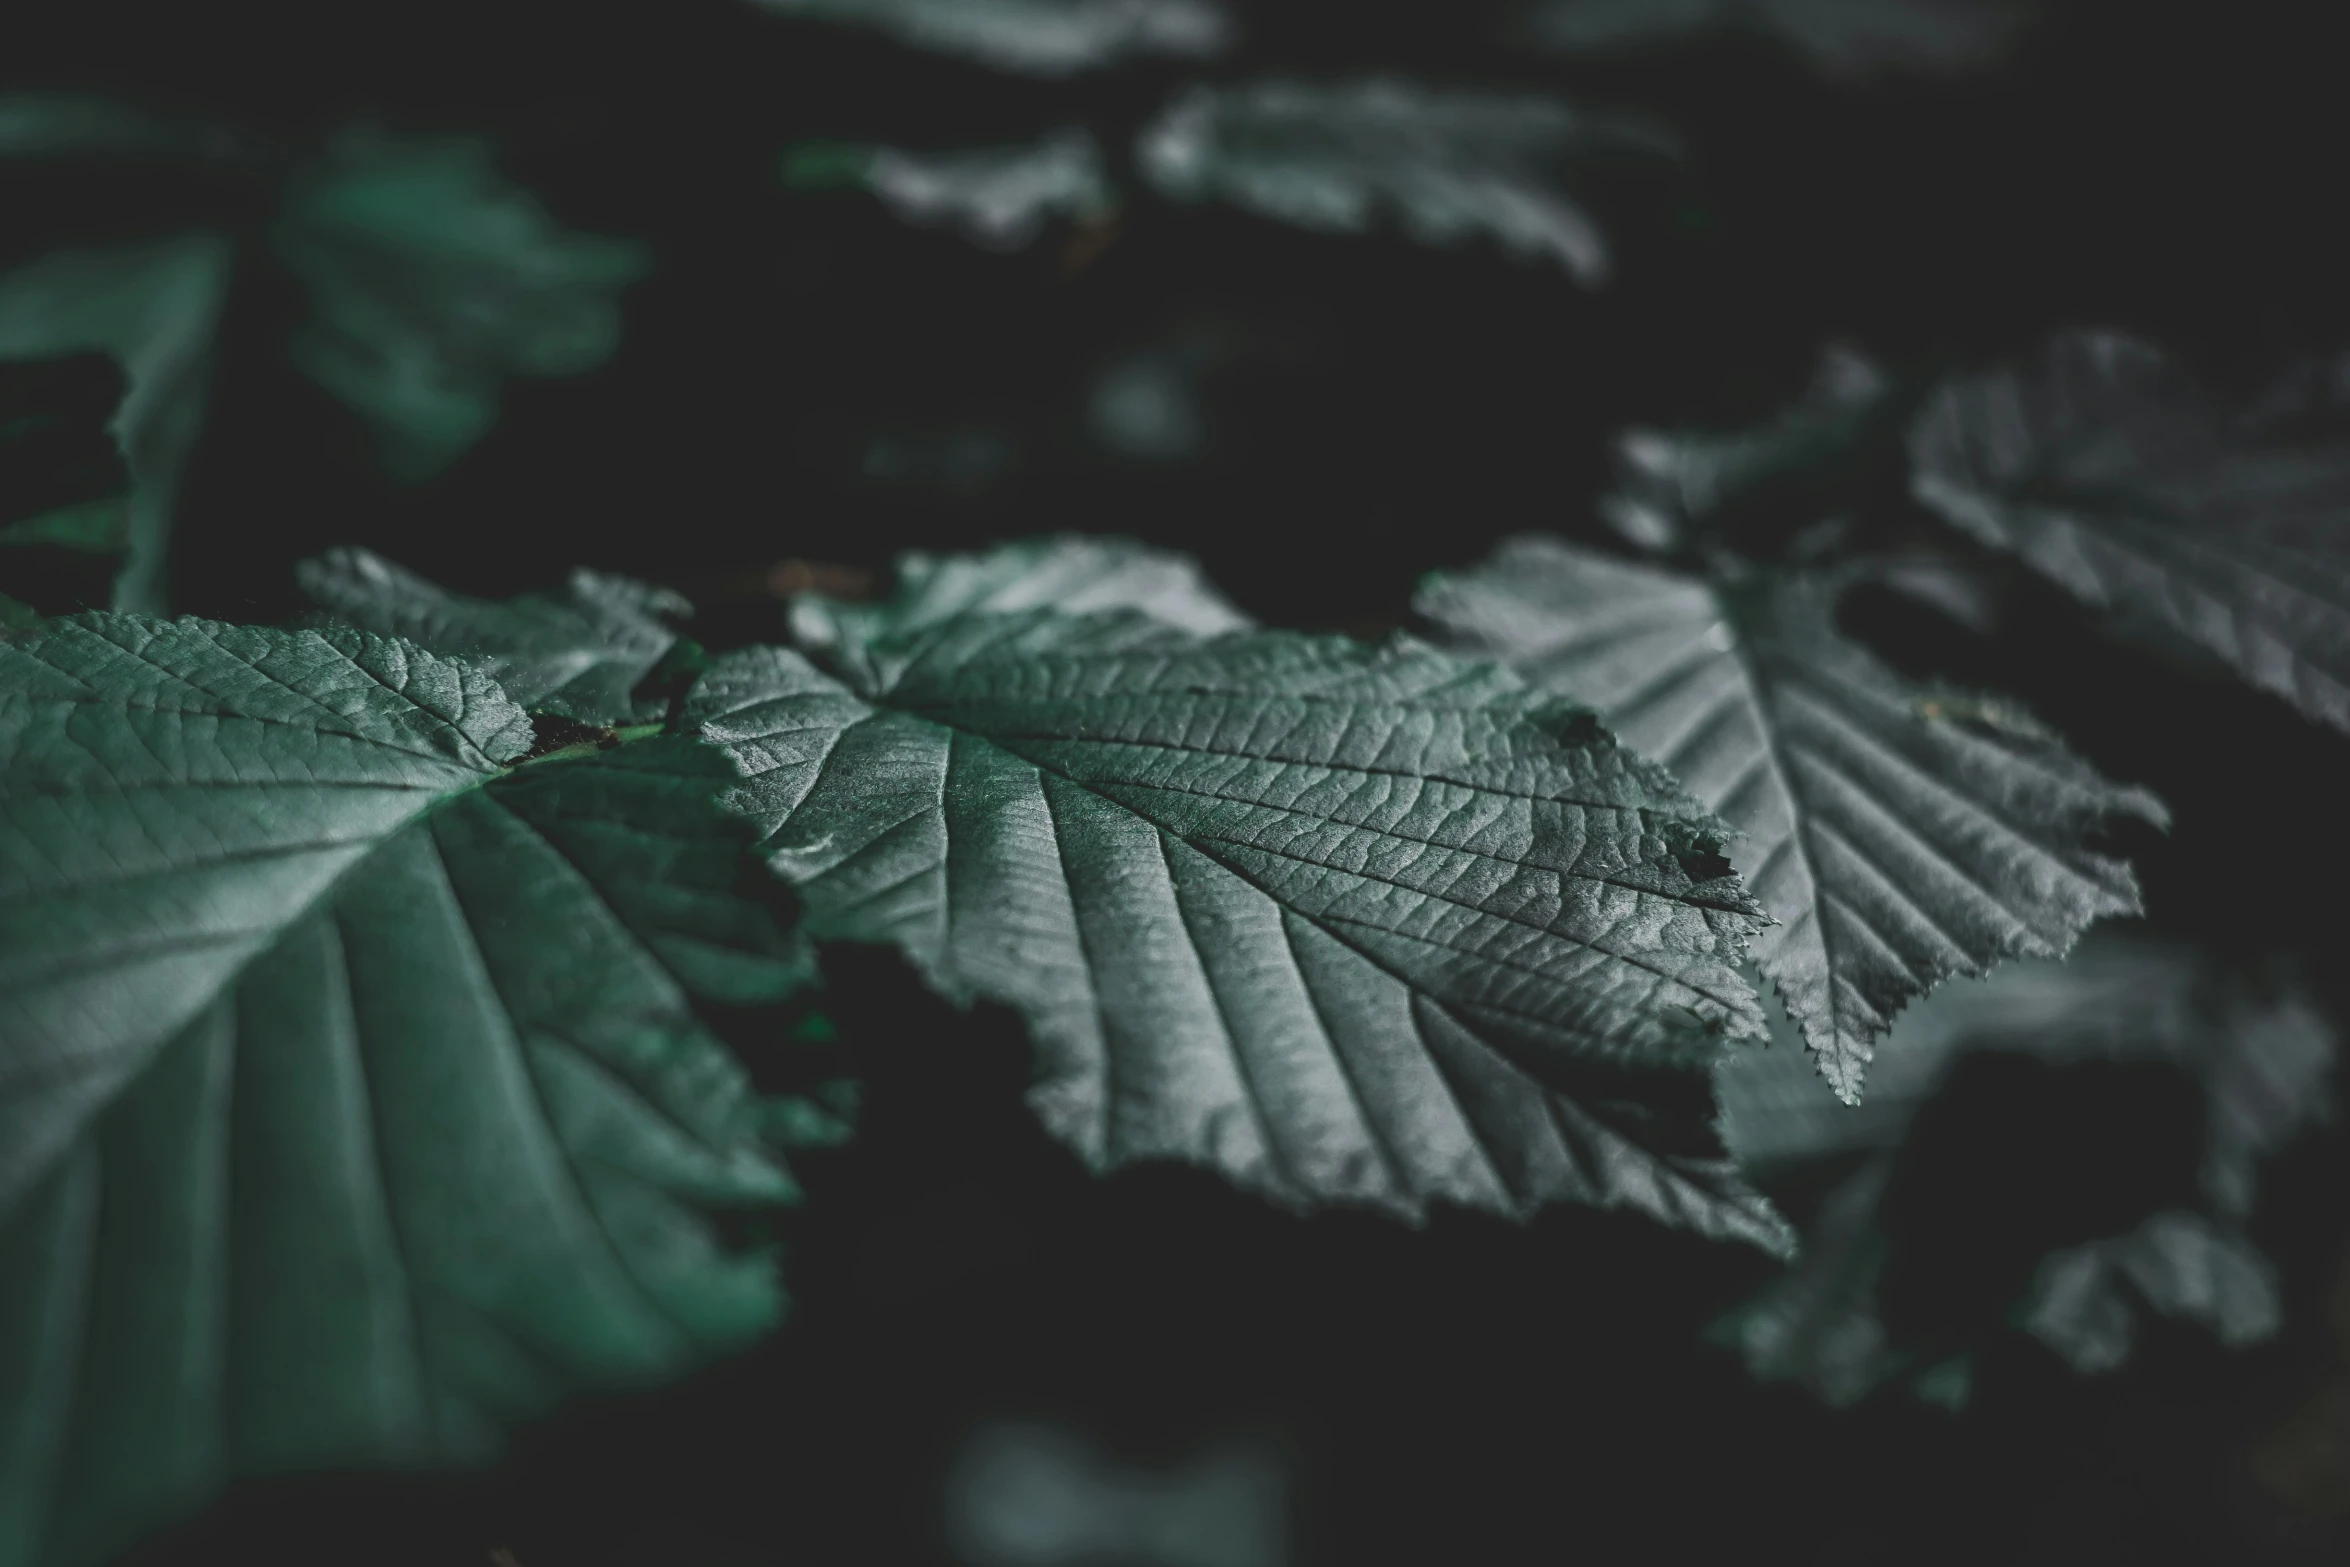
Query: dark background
pixel 1476 1391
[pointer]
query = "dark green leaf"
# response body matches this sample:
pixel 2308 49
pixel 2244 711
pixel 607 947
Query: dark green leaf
pixel 1449 164
pixel 82 126
pixel 2083 1301
pixel 63 484
pixel 432 280
pixel 152 308
pixel 1038 37
pixel 1899 836
pixel 1840 37
pixel 2102 467
pixel 351 1100
pixel 582 653
pixel 1367 925
pixel 1077 576
pixel 2261 1055
pixel 1000 197
pixel 1671 483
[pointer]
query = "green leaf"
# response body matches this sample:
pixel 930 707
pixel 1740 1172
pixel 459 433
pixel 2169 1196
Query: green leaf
pixel 582 653
pixel 152 308
pixel 2180 1264
pixel 1000 197
pixel 2261 1053
pixel 1035 37
pixel 1073 574
pixel 432 280
pixel 351 1100
pixel 1673 483
pixel 2104 469
pixel 1817 1325
pixel 1899 836
pixel 63 484
pixel 1449 164
pixel 1376 926
pixel 1846 38
pixel 37 125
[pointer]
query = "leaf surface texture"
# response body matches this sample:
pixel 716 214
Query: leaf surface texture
pixel 351 1100
pixel 1375 926
pixel 1899 837
pixel 581 653
pixel 2105 469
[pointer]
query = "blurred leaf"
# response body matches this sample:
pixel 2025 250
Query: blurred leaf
pixel 1817 1325
pixel 351 1098
pixel 1377 926
pixel 582 653
pixel 1037 37
pixel 1899 836
pixel 999 197
pixel 1073 574
pixel 63 483
pixel 1449 164
pixel 2083 1302
pixel 1839 37
pixel 153 309
pixel 1028 1495
pixel 1672 482
pixel 2104 468
pixel 37 125
pixel 2261 1056
pixel 433 279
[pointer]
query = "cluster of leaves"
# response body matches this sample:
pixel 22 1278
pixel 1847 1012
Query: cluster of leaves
pixel 407 1017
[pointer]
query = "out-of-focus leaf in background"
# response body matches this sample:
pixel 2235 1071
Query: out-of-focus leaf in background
pixel 64 489
pixel 1035 37
pixel 1449 164
pixel 432 279
pixel 86 126
pixel 1843 38
pixel 152 307
pixel 998 197
pixel 2105 467
pixel 1026 1493
pixel 2258 1056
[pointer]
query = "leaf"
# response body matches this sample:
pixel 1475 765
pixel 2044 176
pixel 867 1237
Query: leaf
pixel 2262 1056
pixel 1845 38
pixel 2104 469
pixel 1073 574
pixel 1898 836
pixel 1672 482
pixel 1356 925
pixel 1000 197
pixel 37 125
pixel 432 280
pixel 1035 37
pixel 1817 1324
pixel 1449 164
pixel 152 308
pixel 2180 1264
pixel 581 654
pixel 63 484
pixel 351 1100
